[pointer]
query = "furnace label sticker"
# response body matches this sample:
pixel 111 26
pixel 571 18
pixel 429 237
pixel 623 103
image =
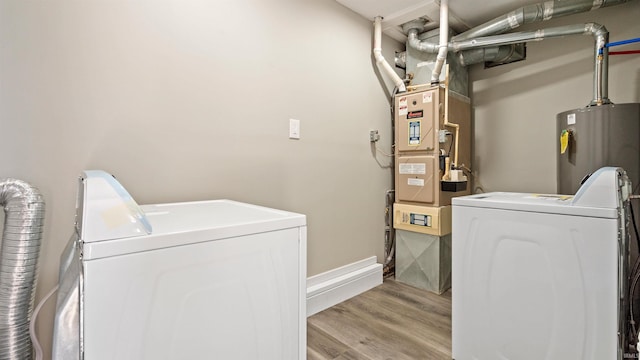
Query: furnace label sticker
pixel 403 107
pixel 571 119
pixel 415 182
pixel 427 97
pixel 413 169
pixel 415 114
pixel 414 133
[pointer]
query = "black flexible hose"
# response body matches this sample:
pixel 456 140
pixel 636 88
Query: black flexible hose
pixel 635 227
pixel 633 287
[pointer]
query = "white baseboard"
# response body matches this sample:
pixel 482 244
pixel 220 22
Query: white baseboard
pixel 335 286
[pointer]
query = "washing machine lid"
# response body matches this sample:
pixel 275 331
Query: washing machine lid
pixel 541 203
pixel 110 222
pixel 178 224
pixel 600 196
pixel 105 210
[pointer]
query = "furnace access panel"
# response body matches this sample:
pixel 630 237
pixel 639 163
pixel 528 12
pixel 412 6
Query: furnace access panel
pixel 423 142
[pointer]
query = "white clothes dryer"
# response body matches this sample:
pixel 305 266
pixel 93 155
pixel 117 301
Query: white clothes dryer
pixel 197 280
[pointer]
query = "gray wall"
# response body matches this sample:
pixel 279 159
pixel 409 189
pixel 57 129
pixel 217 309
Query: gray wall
pixel 515 105
pixel 191 100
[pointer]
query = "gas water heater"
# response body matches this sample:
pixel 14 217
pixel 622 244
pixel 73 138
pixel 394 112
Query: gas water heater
pixel 597 136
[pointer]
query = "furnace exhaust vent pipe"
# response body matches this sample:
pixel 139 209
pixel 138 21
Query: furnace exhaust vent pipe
pixel 21 238
pixel 443 48
pixel 380 60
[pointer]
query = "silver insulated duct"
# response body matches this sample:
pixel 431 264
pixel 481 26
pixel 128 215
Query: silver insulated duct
pixel 21 238
pixel 533 13
pixel 493 41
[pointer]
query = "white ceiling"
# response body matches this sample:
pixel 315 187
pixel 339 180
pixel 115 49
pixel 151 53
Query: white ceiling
pixel 463 14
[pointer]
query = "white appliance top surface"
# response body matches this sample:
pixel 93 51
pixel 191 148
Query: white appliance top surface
pixel 190 216
pixel 177 224
pixel 542 203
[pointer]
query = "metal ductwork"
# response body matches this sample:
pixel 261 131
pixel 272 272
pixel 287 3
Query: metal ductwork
pixel 534 13
pixel 22 235
pixel 524 36
pixel 412 29
pixel 599 32
pixel 481 44
pixel 501 53
pixel 524 15
pixel 423 51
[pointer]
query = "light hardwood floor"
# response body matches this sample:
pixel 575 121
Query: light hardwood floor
pixel 393 321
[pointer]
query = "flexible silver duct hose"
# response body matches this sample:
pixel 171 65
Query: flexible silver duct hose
pixel 21 238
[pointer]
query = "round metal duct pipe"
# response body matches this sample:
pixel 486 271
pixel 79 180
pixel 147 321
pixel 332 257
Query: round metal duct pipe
pixel 534 13
pixel 601 57
pixel 21 238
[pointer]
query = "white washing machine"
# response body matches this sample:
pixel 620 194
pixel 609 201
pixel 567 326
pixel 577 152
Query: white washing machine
pixel 196 280
pixel 540 277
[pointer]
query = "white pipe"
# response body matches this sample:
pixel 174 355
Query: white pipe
pixel 32 324
pixel 380 60
pixel 444 41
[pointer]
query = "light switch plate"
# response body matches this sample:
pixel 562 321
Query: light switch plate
pixel 294 129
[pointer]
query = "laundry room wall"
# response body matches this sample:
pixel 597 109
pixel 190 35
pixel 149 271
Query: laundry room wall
pixel 190 100
pixel 515 105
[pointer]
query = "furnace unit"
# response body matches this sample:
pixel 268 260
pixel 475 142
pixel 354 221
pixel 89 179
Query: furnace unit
pixel 432 154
